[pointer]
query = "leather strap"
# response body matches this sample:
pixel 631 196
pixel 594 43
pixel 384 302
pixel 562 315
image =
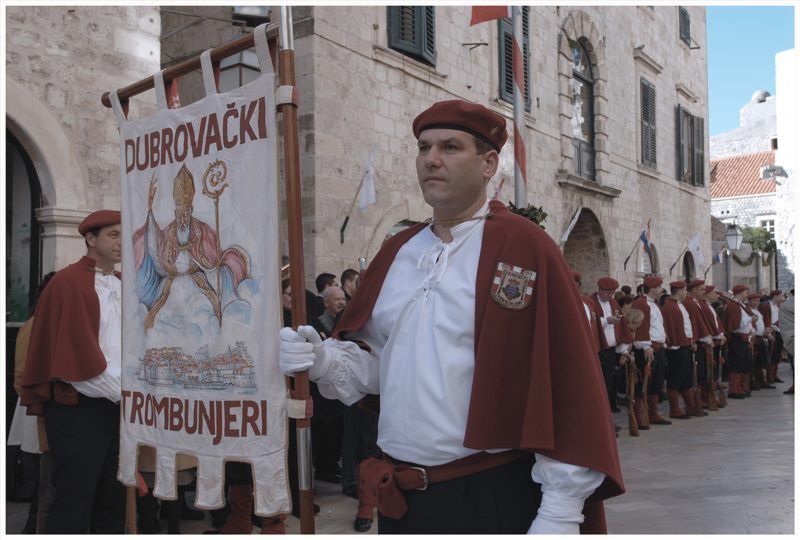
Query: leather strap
pixel 384 480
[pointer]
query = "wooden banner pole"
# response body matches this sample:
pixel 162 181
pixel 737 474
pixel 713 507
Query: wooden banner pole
pixel 291 159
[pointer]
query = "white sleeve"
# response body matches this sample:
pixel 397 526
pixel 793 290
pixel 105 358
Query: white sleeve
pixel 565 488
pixel 642 344
pixel 622 348
pixel 106 385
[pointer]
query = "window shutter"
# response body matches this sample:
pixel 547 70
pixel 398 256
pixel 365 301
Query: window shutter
pixel 412 31
pixel 428 33
pixel 648 115
pixel 699 151
pixel 684 24
pixel 506 49
pixel 679 136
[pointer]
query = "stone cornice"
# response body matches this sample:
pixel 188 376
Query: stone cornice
pixel 646 59
pixel 571 181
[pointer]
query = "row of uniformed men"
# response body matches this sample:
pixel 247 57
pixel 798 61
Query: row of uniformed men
pixel 685 342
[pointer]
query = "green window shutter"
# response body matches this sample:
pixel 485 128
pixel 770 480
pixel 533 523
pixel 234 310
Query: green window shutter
pixel 648 122
pixel 428 41
pixel 684 25
pixel 679 146
pixel 412 31
pixel 698 141
pixel 506 50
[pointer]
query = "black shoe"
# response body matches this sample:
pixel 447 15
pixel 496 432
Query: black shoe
pixel 777 380
pixel 662 422
pixel 617 428
pixel 736 396
pixel 331 477
pixel 768 386
pixel 789 391
pixel 362 524
pixel 350 491
pixel 682 417
pixel 747 394
pixel 296 510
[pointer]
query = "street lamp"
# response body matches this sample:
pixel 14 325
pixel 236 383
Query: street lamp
pixel 733 236
pixel 238 69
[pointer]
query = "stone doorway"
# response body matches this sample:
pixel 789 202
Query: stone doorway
pixel 586 250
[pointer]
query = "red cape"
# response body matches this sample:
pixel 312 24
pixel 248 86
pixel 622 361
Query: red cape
pixel 64 339
pixel 541 391
pixel 673 324
pixel 732 317
pixel 709 316
pixel 766 312
pixel 643 332
pixel 700 327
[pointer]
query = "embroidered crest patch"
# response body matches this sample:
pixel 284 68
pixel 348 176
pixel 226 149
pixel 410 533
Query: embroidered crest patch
pixel 512 286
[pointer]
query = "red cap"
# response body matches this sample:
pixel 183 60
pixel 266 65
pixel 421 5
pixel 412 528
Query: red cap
pixel 710 288
pixel 576 276
pixel 101 218
pixel 776 292
pixel 754 297
pixel 696 283
pixel 472 118
pixel 608 283
pixel 677 285
pixel 739 288
pixel 651 282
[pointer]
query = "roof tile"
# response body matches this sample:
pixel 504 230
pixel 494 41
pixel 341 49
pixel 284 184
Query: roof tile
pixel 738 176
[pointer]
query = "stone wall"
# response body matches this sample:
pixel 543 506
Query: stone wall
pixel 364 93
pixel 744 211
pixel 59 61
pixel 787 84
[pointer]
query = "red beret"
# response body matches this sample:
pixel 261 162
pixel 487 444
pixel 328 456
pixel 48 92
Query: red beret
pixel 651 282
pixel 776 292
pixel 677 285
pixel 754 297
pixel 576 276
pixel 710 288
pixel 739 288
pixel 475 119
pixel 608 283
pixel 696 283
pixel 101 218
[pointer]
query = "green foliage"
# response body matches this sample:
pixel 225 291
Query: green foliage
pixel 759 238
pixel 533 213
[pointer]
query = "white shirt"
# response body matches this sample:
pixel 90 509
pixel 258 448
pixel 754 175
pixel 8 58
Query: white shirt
pixel 422 337
pixel 716 322
pixel 608 329
pixel 745 326
pixel 687 324
pixel 775 314
pixel 759 323
pixel 107 384
pixel 657 332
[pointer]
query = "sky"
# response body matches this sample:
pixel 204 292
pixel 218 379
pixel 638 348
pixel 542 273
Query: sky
pixel 742 43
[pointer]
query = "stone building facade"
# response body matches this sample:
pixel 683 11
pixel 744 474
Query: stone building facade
pixel 356 89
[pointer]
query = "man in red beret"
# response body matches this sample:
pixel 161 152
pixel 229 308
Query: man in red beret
pixel 72 378
pixel 493 412
pixel 718 335
pixel 771 312
pixel 611 331
pixel 737 321
pixel 649 345
pixel 680 348
pixel 762 338
pixel 704 344
pixel 576 276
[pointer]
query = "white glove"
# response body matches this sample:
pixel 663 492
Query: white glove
pixel 303 350
pixel 545 525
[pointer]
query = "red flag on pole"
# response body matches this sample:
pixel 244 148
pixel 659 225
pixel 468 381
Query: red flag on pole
pixel 489 13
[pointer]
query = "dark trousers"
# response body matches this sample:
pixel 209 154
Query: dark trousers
pixel 659 373
pixel 608 361
pixel 679 368
pixel 738 356
pixel 761 353
pixel 502 500
pixel 360 441
pixel 777 349
pixel 84 445
pixel 701 357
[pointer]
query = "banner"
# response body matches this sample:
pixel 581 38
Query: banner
pixel 201 280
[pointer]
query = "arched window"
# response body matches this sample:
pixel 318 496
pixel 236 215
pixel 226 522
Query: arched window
pixel 582 99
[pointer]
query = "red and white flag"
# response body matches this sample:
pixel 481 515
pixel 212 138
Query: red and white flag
pixel 489 13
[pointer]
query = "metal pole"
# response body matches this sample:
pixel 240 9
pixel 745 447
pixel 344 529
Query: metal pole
pixel 518 70
pixel 727 269
pixel 291 157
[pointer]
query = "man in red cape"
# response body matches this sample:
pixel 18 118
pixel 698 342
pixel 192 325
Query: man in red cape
pixel 472 332
pixel 738 324
pixel 72 378
pixel 680 349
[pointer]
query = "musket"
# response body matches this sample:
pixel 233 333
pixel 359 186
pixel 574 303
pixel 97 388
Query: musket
pixel 630 372
pixel 644 419
pixel 694 389
pixel 722 398
pixel 709 383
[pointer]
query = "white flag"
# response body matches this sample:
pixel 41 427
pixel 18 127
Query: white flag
pixel 694 248
pixel 368 182
pixel 571 225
